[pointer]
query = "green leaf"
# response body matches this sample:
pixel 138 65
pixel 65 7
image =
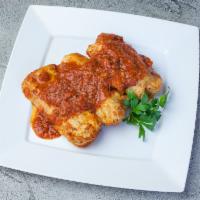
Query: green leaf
pixel 136 111
pixel 146 119
pixel 144 98
pixel 141 132
pixel 134 120
pixel 154 102
pixel 163 100
pixel 134 102
pixel 157 115
pixel 150 126
pixel 131 95
pixel 142 107
pixel 149 122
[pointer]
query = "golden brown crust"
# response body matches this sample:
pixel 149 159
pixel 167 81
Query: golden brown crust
pixel 81 129
pixel 36 79
pixel 111 111
pixel 42 126
pixel 151 84
pixel 77 58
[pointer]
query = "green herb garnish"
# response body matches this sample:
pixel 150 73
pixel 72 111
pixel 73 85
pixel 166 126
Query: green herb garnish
pixel 144 112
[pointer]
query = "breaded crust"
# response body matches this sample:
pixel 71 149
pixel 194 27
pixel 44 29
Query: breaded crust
pixel 42 125
pixel 36 79
pixel 77 58
pixel 150 84
pixel 81 129
pixel 111 111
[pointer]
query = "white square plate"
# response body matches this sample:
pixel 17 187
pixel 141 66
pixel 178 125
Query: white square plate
pixel 117 158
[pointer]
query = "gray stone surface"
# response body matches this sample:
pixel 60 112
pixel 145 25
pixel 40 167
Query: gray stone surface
pixel 2 72
pixel 19 185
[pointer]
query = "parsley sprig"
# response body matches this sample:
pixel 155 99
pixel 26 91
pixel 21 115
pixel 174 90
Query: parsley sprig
pixel 144 112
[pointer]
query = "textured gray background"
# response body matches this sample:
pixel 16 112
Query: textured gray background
pixel 19 185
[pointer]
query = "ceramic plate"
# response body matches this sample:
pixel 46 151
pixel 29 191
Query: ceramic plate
pixel 117 158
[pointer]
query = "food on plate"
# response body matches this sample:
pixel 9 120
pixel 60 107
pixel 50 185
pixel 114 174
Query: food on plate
pixel 79 95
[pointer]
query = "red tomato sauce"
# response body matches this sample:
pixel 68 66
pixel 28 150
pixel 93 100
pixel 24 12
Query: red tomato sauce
pixel 75 89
